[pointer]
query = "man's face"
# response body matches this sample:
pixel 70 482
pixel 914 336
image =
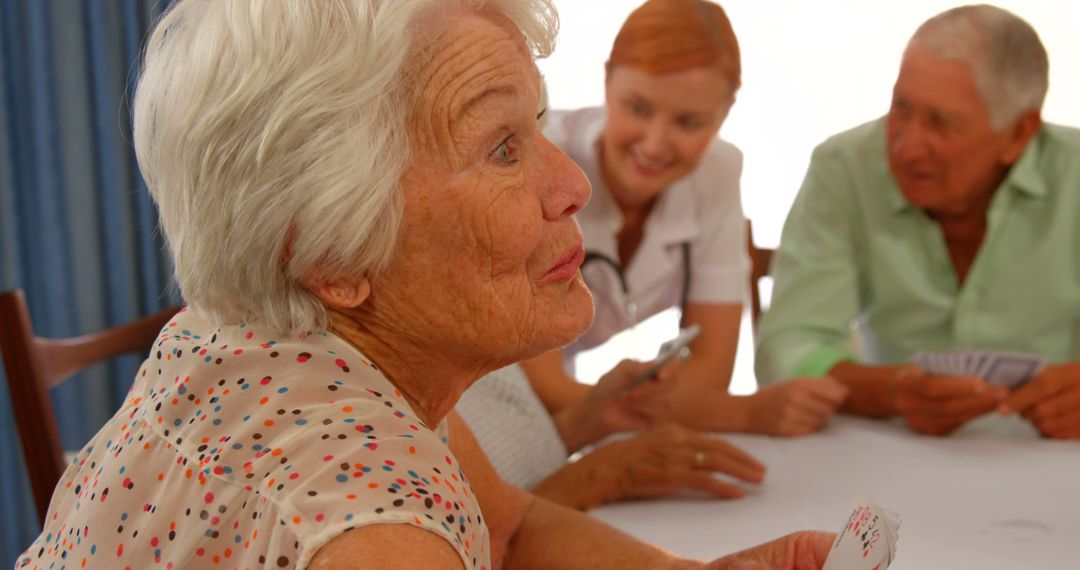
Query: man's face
pixel 942 149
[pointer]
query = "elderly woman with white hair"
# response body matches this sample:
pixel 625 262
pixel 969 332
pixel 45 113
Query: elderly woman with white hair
pixel 364 219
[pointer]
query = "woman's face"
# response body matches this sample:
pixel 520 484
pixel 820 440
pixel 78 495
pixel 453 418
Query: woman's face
pixel 658 126
pixel 487 267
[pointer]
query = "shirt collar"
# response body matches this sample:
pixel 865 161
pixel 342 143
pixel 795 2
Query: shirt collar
pixel 1025 175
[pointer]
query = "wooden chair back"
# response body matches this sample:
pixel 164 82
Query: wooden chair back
pixel 760 259
pixel 36 364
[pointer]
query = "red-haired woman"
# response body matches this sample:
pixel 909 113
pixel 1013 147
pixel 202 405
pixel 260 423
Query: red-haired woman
pixel 665 226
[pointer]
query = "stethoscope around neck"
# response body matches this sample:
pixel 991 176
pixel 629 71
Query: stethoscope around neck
pixel 630 307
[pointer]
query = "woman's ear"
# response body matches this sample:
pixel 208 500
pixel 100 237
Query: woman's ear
pixel 342 295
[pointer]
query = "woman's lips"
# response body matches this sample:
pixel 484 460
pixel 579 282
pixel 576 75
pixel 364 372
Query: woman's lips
pixel 647 167
pixel 567 266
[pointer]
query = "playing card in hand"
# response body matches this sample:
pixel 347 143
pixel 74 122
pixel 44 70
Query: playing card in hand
pixel 1009 369
pixel 867 540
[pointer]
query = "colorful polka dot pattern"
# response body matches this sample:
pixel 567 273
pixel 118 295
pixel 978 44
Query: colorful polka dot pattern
pixel 236 450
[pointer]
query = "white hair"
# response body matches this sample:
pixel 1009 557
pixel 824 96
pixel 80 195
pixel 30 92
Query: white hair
pixel 1005 54
pixel 272 137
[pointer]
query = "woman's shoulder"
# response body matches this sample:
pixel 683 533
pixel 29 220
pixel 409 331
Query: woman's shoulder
pixel 721 158
pixel 713 186
pixel 564 127
pixel 313 425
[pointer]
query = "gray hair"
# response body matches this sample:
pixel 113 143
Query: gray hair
pixel 272 137
pixel 1005 54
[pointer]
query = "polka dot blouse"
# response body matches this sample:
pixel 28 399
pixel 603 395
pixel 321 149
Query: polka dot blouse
pixel 235 449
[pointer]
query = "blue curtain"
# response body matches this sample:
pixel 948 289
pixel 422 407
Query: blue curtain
pixel 77 228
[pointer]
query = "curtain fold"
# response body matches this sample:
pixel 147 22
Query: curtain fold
pixel 78 231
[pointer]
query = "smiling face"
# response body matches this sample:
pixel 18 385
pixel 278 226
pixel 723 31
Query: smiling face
pixel 942 149
pixel 487 264
pixel 658 127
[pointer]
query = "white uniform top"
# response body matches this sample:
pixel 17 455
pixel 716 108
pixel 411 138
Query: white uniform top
pixel 512 427
pixel 702 209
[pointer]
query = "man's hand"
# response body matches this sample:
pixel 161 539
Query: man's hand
pixel 1051 401
pixel 938 405
pixel 804 550
pixel 798 407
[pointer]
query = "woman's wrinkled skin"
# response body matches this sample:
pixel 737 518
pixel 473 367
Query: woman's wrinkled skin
pixel 486 273
pixel 488 214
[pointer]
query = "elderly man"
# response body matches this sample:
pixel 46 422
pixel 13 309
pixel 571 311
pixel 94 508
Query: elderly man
pixel 952 222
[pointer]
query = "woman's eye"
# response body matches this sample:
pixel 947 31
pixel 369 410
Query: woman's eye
pixel 504 153
pixel 690 123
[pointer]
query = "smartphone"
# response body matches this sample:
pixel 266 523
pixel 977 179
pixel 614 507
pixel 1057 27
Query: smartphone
pixel 678 346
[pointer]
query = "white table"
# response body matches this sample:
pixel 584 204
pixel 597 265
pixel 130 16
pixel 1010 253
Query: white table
pixel 993 496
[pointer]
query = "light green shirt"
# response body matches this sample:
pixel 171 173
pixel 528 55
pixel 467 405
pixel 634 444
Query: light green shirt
pixel 855 256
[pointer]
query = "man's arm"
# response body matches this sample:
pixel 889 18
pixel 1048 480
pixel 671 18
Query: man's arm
pixel 1051 401
pixel 873 389
pixel 816 282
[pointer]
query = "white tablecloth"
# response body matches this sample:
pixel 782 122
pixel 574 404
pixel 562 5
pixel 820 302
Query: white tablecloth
pixel 994 496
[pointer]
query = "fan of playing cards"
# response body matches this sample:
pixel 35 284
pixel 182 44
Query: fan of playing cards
pixel 1009 369
pixel 867 541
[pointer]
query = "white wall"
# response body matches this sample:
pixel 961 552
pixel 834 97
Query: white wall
pixel 811 68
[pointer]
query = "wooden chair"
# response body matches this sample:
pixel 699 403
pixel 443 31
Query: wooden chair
pixel 760 259
pixel 35 364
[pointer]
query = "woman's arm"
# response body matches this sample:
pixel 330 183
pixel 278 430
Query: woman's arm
pixel 387 546
pixel 525 531
pixel 552 384
pixel 530 532
pixel 652 463
pixel 701 399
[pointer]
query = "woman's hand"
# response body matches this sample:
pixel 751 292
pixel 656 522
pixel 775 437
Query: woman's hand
pixel 621 406
pixel 798 407
pixel 804 550
pixel 653 463
pixel 672 458
pixel 616 404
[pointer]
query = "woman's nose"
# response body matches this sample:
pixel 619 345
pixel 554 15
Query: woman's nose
pixel 655 141
pixel 566 189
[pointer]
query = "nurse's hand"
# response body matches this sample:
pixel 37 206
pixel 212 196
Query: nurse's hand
pixel 617 403
pixel 803 550
pixel 798 407
pixel 938 405
pixel 623 406
pixel 1051 401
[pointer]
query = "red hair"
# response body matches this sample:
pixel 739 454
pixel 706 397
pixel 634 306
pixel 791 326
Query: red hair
pixel 664 36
